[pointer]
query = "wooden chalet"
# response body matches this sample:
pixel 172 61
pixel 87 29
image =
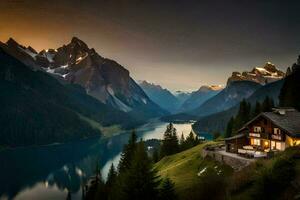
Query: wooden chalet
pixel 267 132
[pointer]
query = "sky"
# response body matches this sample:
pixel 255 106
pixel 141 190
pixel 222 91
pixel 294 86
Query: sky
pixel 180 45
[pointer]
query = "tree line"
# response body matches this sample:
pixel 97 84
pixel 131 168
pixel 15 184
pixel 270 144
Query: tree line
pixel 134 178
pixel 246 113
pixel 171 144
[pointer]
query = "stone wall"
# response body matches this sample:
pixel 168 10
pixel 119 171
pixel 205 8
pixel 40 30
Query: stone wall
pixel 234 161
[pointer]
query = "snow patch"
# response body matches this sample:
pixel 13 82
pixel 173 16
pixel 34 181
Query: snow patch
pixel 27 51
pixel 80 58
pixel 119 103
pixel 144 100
pixel 202 171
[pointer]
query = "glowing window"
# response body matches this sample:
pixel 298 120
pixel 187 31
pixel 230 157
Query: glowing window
pixel 257 129
pixel 256 142
pixel 277 131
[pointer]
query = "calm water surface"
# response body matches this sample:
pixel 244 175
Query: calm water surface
pixel 50 172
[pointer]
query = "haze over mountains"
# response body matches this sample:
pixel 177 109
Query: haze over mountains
pixel 163 97
pixel 79 84
pixel 66 94
pixel 104 79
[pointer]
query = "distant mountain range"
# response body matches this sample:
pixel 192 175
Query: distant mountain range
pixel 197 98
pixel 218 121
pixel 46 92
pixel 263 75
pixel 228 97
pixel 162 97
pixel 182 96
pixel 104 79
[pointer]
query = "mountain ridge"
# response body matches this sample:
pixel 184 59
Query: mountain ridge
pixel 161 96
pixel 102 78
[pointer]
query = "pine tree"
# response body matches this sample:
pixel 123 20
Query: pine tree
pixel 127 153
pixel 167 191
pixel 229 128
pixel 140 181
pixel 181 141
pixel 155 156
pixel 111 177
pixel 190 140
pixel 257 110
pixel 267 104
pixel 170 144
pixel 97 187
pixel 243 115
pixel 289 94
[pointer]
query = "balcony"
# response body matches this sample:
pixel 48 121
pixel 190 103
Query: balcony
pixel 257 135
pixel 276 137
pixel 262 135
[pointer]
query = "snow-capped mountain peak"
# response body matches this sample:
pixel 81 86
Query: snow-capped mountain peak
pixel 263 75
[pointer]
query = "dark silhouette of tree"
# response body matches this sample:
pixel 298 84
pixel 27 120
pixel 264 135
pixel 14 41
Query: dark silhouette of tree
pixel 140 181
pixel 289 94
pixel 257 110
pixel 96 189
pixel 167 191
pixel 243 115
pixel 155 155
pixel 128 152
pixel 229 128
pixel 267 104
pixel 111 177
pixel 170 144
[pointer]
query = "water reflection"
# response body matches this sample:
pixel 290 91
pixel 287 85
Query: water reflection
pixel 56 171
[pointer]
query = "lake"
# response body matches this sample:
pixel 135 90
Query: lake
pixel 50 172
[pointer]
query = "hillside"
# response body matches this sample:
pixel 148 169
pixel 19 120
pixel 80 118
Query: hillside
pixel 218 121
pixel 228 97
pixel 102 78
pixel 186 170
pixel 195 177
pixel 38 109
pixel 162 97
pixel 197 98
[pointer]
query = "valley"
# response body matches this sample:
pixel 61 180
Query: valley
pixel 149 100
pixel 53 170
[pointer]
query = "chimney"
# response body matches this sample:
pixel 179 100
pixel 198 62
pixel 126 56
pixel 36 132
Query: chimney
pixel 282 111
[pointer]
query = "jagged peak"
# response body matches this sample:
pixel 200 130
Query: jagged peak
pixel 32 49
pixel 76 40
pixel 210 88
pixel 12 42
pixel 146 83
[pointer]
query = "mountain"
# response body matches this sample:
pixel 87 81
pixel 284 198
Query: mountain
pixel 182 96
pixel 262 75
pixel 218 121
pixel 197 98
pixel 24 54
pixel 38 109
pixel 102 78
pixel 162 97
pixel 228 97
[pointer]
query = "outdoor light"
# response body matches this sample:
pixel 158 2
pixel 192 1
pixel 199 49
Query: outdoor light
pixel 266 143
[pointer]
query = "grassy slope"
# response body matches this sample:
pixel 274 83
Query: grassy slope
pixel 107 131
pixel 182 168
pixel 245 184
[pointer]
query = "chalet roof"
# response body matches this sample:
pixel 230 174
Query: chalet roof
pixel 235 137
pixel 289 120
